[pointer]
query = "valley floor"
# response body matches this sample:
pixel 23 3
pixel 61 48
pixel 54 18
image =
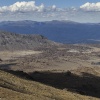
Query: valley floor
pixel 59 68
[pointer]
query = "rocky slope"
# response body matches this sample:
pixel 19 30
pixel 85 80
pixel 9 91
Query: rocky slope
pixel 12 41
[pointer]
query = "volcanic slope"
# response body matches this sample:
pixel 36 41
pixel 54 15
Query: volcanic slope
pixel 13 41
pixel 13 87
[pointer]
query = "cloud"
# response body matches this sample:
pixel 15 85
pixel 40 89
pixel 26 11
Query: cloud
pixel 22 7
pixel 54 7
pixel 30 11
pixel 91 6
pixel 25 7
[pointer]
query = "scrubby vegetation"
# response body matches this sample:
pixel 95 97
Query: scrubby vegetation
pixel 14 87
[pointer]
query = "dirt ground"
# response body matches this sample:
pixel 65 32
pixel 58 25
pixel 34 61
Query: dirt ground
pixel 6 55
pixel 73 68
pixel 59 59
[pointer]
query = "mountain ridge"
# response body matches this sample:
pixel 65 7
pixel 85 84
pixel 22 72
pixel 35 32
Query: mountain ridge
pixel 13 41
pixel 58 31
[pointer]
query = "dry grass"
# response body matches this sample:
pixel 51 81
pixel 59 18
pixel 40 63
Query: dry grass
pixel 15 88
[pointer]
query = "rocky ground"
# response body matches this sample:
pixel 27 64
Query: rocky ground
pixel 67 57
pixel 72 68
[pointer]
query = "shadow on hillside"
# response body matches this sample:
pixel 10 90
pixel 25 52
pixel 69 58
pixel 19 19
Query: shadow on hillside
pixel 87 84
pixel 7 66
pixel 19 74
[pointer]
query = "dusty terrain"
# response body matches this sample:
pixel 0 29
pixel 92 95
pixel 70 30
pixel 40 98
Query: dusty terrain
pixel 8 55
pixel 68 72
pixel 63 58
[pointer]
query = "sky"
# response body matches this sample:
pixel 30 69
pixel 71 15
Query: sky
pixel 46 10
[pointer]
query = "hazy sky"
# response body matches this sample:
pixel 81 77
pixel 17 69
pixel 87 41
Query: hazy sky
pixel 42 10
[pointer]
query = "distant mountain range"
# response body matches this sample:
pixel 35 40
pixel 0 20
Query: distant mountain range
pixel 59 31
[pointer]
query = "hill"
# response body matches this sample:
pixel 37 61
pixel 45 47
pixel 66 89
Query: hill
pixel 59 31
pixel 12 41
pixel 13 87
